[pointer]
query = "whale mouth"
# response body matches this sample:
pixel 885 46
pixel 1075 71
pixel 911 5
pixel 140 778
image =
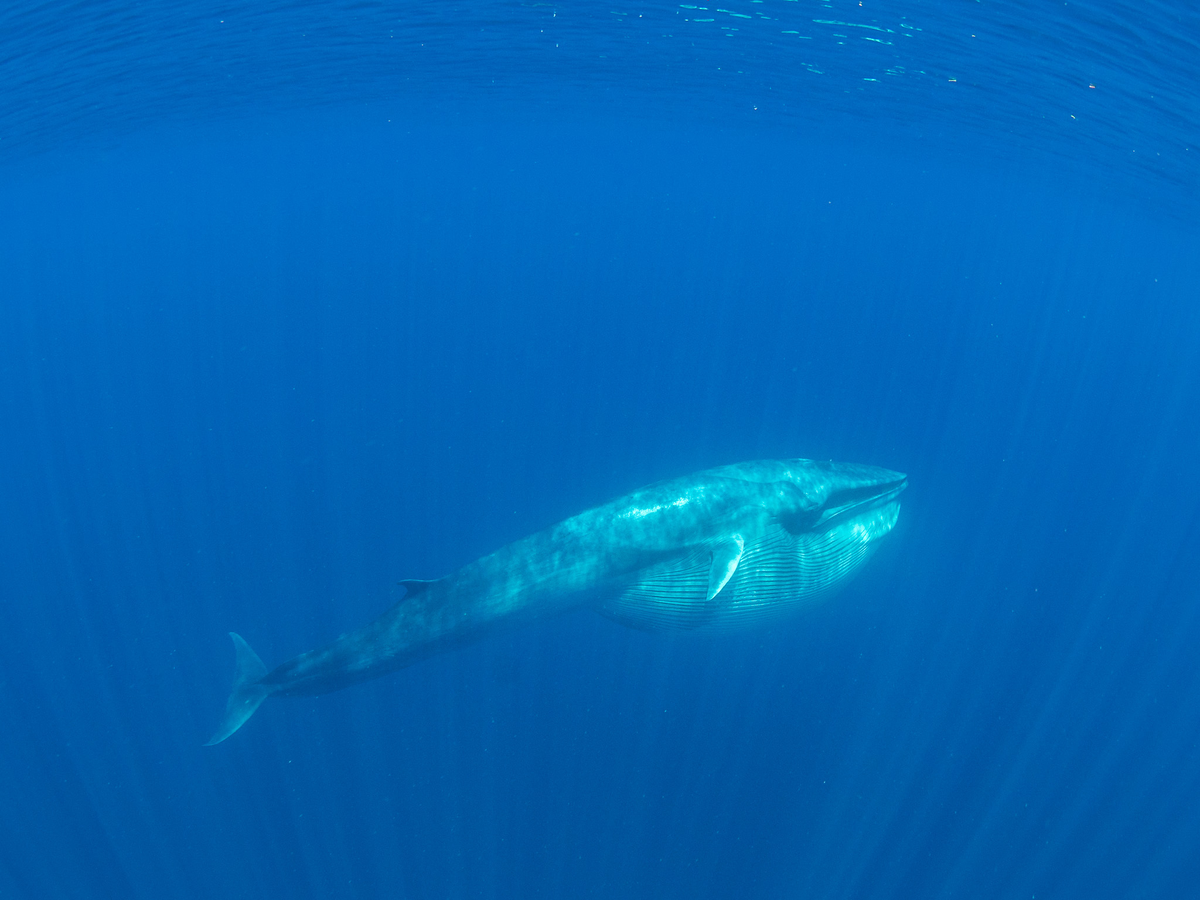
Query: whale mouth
pixel 860 497
pixel 853 501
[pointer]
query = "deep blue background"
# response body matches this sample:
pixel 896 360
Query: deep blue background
pixel 264 353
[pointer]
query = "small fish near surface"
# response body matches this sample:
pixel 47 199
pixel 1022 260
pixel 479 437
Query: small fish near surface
pixel 720 548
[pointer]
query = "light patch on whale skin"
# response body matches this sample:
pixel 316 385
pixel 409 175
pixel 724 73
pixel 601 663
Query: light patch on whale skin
pixel 649 511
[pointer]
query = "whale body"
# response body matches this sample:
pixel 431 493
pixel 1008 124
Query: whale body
pixel 721 548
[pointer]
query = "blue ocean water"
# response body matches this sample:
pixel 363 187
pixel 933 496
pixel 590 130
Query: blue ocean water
pixel 300 300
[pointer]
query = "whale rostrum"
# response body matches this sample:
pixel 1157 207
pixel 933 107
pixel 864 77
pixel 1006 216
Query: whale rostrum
pixel 720 548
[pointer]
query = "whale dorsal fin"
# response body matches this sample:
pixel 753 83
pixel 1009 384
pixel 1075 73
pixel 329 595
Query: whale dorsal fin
pixel 414 586
pixel 726 555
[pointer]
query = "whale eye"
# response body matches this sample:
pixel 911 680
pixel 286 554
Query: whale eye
pixel 800 520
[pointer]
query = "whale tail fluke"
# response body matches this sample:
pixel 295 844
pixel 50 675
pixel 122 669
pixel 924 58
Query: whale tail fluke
pixel 247 693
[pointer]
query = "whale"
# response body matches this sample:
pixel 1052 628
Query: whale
pixel 723 548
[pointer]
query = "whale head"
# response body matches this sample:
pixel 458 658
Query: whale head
pixel 840 493
pixel 836 514
pixel 814 495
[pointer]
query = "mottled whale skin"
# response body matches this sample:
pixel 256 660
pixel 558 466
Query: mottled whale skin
pixel 720 548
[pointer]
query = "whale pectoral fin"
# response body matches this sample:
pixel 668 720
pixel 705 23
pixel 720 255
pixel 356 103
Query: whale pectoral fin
pixel 247 693
pixel 678 593
pixel 725 558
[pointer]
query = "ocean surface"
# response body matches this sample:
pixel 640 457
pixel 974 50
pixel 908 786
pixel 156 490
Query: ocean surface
pixel 300 300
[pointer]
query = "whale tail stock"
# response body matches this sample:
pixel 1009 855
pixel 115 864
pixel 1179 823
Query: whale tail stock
pixel 247 692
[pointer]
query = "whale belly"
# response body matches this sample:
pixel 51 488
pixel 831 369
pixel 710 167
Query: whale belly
pixel 778 572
